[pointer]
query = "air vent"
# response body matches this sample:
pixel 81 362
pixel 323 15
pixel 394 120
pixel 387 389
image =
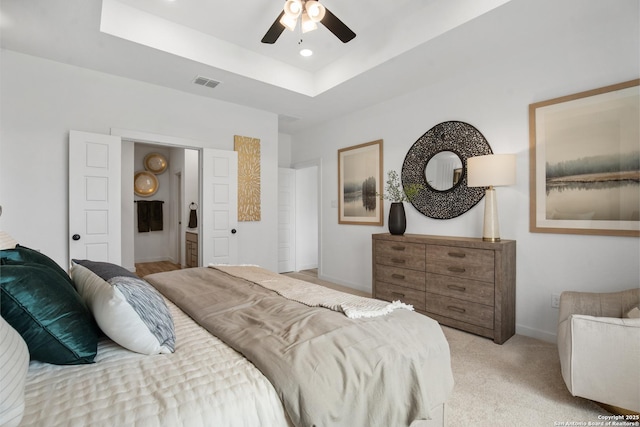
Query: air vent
pixel 203 81
pixel 284 119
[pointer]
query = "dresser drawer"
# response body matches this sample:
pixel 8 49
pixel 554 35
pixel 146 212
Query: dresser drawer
pixel 389 292
pixel 468 263
pixel 400 254
pixel 400 276
pixel 464 289
pixel 465 311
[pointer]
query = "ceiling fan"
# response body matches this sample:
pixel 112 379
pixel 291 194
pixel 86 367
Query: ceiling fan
pixel 309 12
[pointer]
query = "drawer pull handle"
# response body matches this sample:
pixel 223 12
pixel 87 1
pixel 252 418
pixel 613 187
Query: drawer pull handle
pixel 457 288
pixel 398 294
pixel 398 261
pixel 457 309
pixel 456 269
pixel 398 248
pixel 457 254
pixel 398 276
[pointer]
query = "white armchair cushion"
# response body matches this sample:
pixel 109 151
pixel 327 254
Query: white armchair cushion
pixel 601 359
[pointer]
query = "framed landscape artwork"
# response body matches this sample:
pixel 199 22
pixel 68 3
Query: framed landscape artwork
pixel 585 162
pixel 359 184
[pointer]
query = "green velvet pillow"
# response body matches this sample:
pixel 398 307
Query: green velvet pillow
pixel 48 314
pixel 22 254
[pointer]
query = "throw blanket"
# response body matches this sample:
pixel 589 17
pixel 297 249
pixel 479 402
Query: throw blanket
pixel 329 370
pixel 313 295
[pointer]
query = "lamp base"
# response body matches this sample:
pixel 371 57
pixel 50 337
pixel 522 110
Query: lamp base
pixel 491 231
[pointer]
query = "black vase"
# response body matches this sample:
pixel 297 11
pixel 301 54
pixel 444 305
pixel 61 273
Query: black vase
pixel 397 219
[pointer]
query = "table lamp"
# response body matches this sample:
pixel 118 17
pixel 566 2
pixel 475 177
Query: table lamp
pixel 491 171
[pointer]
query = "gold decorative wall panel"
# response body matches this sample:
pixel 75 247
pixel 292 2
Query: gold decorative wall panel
pixel 248 177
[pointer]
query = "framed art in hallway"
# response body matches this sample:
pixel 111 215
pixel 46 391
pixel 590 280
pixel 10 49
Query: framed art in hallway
pixel 360 183
pixel 585 162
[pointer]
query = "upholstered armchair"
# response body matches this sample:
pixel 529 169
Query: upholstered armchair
pixel 599 346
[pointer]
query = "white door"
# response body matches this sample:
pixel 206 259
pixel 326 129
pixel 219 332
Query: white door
pixel 286 220
pixel 307 224
pixel 219 207
pixel 94 197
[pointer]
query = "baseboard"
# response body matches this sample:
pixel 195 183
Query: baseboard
pixel 307 267
pixel 536 333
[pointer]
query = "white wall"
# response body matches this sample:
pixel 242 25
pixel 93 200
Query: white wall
pixel 42 100
pixel 284 150
pixel 564 47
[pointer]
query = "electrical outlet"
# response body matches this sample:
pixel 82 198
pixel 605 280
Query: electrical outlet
pixel 555 300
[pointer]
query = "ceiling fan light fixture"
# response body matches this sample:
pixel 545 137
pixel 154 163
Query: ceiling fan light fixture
pixel 307 24
pixel 293 8
pixel 315 10
pixel 289 22
pixel 312 11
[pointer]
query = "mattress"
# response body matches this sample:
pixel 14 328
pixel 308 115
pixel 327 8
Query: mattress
pixel 204 383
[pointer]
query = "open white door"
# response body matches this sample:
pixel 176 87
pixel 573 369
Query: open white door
pixel 286 220
pixel 94 197
pixel 219 207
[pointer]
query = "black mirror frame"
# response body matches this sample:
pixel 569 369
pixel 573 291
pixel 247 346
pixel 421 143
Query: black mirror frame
pixel 465 141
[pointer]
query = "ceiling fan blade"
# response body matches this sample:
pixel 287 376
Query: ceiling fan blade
pixel 274 31
pixel 337 27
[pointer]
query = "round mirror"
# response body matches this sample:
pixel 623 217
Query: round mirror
pixel 443 170
pixel 447 196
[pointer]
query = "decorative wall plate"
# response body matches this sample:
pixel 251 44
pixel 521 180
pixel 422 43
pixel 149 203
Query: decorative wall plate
pixel 145 184
pixel 156 163
pixel 459 138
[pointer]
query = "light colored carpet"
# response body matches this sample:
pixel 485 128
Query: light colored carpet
pixel 517 383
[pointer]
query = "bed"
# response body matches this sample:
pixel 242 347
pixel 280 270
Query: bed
pixel 247 349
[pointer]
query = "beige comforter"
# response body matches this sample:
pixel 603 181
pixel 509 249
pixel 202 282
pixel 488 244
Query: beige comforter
pixel 329 370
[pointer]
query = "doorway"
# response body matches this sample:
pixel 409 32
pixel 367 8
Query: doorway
pixel 215 177
pixel 299 218
pixel 177 188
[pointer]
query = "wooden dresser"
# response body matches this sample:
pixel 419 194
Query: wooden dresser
pixel 461 282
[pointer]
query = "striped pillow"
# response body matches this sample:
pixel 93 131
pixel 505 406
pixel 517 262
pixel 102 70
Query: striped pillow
pixel 128 309
pixel 14 363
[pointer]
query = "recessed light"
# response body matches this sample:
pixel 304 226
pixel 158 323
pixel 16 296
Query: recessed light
pixel 306 52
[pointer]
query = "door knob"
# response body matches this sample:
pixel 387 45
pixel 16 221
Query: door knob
pixel 233 231
pixel 76 237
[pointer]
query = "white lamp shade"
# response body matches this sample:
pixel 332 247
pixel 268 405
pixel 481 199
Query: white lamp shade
pixel 315 10
pixel 307 23
pixel 293 8
pixel 491 170
pixel 288 22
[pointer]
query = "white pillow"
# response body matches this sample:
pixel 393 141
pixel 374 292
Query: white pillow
pixel 128 310
pixel 14 363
